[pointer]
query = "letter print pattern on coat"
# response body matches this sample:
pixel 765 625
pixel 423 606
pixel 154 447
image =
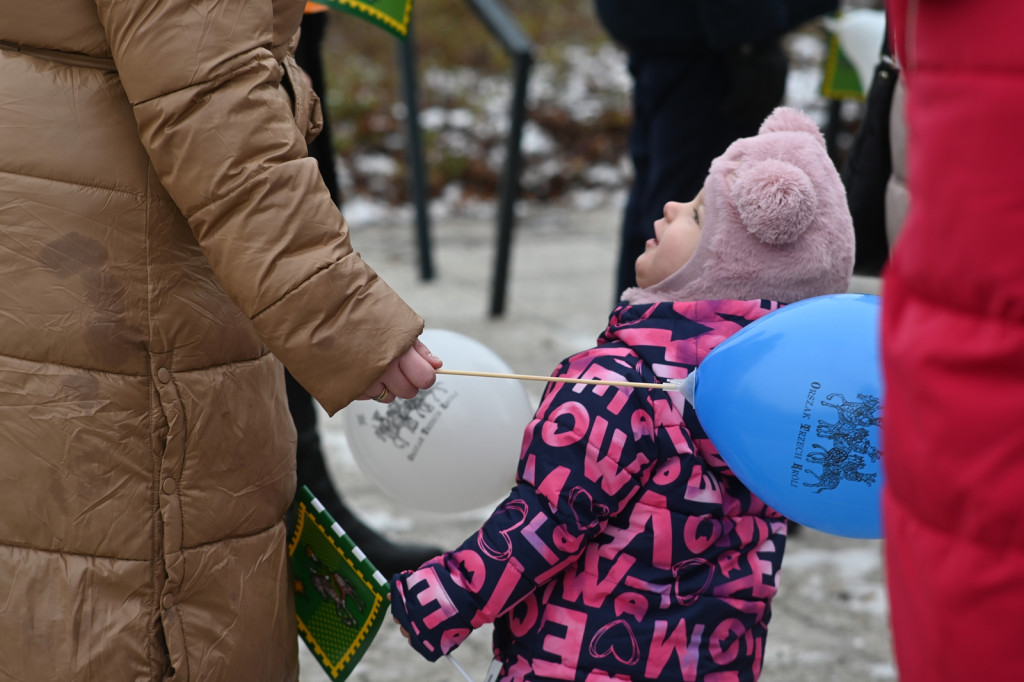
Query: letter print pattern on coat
pixel 627 547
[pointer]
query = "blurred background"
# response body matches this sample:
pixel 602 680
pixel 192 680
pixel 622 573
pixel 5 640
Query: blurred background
pixel 577 105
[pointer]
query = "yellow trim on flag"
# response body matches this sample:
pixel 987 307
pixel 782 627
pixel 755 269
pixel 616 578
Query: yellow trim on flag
pixel 384 19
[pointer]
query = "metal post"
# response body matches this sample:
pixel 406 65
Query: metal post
pixel 510 187
pixel 519 45
pixel 417 181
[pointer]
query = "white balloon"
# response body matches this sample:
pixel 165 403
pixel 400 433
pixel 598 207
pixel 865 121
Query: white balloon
pixel 455 446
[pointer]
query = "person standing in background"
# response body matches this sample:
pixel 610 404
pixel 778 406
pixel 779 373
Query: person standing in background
pixel 953 348
pixel 705 73
pixel 311 467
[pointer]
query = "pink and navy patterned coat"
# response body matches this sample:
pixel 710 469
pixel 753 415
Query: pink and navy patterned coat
pixel 627 549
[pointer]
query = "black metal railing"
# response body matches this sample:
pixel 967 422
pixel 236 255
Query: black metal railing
pixel 520 49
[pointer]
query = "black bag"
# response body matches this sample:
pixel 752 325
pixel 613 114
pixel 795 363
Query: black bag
pixel 867 168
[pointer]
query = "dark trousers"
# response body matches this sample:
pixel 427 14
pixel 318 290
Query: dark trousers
pixel 309 56
pixel 310 466
pixel 678 129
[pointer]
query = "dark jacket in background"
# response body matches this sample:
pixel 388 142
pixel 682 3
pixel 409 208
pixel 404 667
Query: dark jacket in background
pixel 698 25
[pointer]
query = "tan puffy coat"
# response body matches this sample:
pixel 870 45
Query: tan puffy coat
pixel 162 239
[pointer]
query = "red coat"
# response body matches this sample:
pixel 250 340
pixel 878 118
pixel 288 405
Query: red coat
pixel 953 347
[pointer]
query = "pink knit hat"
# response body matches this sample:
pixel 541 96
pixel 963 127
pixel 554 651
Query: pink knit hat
pixel 776 222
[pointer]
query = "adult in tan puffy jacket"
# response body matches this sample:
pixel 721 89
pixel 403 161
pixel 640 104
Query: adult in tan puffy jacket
pixel 163 242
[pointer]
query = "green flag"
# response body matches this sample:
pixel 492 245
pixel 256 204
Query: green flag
pixel 340 598
pixel 392 15
pixel 840 80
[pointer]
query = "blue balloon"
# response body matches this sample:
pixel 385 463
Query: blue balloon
pixel 793 404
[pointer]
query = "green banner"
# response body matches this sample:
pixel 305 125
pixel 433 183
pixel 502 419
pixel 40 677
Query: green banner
pixel 340 598
pixel 392 15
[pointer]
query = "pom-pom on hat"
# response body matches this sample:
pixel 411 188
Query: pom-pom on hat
pixel 776 222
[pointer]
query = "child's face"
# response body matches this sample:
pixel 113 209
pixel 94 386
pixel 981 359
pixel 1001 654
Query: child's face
pixel 675 239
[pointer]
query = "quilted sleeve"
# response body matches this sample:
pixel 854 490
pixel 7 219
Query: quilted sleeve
pixel 585 458
pixel 204 82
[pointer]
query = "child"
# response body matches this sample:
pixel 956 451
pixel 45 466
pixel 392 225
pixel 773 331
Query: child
pixel 627 549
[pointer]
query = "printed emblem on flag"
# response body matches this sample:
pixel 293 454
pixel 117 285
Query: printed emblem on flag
pixel 340 598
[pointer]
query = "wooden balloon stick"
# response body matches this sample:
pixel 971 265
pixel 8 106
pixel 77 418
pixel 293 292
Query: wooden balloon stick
pixel 563 380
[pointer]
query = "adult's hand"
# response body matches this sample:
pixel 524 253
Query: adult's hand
pixel 405 376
